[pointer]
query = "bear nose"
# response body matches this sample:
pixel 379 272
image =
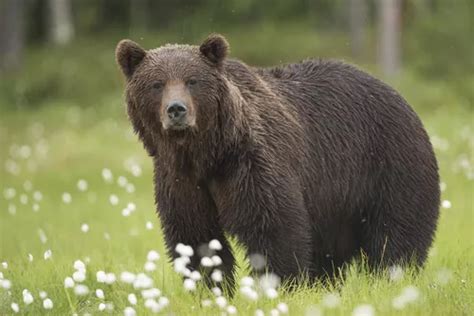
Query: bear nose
pixel 176 110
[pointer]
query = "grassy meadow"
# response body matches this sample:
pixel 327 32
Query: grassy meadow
pixel 75 184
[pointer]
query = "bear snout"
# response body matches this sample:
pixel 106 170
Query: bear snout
pixel 177 112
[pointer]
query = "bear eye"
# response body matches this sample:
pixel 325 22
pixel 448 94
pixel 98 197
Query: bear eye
pixel 191 82
pixel 158 85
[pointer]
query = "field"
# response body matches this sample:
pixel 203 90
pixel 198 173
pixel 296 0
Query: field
pixel 68 172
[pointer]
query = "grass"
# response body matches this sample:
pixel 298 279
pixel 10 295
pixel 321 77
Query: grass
pixel 68 143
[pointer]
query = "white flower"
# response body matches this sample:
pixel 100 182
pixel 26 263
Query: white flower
pixel 163 301
pixel 180 264
pixel 207 262
pixel 153 305
pixel 79 275
pixel 130 188
pixel 11 209
pixel 81 290
pixel 151 293
pixel 189 285
pixel 82 185
pixel 331 300
pixel 15 307
pixel 126 212
pixel 136 170
pixel 68 283
pixel 37 196
pixel 411 293
pixel 48 304
pixel 274 312
pixel 206 303
pixel 5 265
pixel 271 293
pixel 101 276
pixel 43 295
pixel 217 291
pixel 153 255
pixel 363 310
pixel 127 277
pixel 257 261
pixel 99 293
pixel 24 199
pixel 30 257
pixel 269 280
pixel 47 254
pixel 215 245
pixel 446 204
pixel 6 284
pixel 249 293
pixel 259 312
pixel 216 260
pixel 443 276
pixel 247 281
pixel 42 236
pixel 283 308
pixel 110 278
pixel 149 225
pixel 216 275
pixel 395 273
pixel 131 206
pixel 36 207
pixel 231 310
pixel 113 199
pixel 142 281
pixel 9 193
pixel 67 198
pixel 107 175
pixel 101 307
pixel 129 311
pixel 132 298
pixel 195 275
pixel 184 250
pixel 150 266
pixel 122 181
pixel 84 228
pixel 221 302
pixel 79 265
pixel 27 297
pixel 408 295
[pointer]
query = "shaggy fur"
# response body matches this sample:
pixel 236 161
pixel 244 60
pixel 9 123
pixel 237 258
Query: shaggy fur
pixel 309 164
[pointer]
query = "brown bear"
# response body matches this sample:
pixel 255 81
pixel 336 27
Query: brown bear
pixel 309 164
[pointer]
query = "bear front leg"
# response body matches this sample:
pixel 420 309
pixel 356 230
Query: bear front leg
pixel 188 216
pixel 267 214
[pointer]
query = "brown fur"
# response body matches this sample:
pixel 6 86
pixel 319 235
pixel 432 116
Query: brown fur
pixel 307 164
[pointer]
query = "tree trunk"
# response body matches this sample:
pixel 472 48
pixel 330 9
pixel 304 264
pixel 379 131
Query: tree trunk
pixel 389 36
pixel 61 27
pixel 139 11
pixel 358 22
pixel 12 34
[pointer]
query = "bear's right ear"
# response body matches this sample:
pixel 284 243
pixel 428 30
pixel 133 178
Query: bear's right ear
pixel 129 55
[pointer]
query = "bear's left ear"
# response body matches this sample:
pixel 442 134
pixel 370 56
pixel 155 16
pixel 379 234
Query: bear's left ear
pixel 129 55
pixel 215 48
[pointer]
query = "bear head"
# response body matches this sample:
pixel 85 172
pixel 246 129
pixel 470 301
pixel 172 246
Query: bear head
pixel 174 91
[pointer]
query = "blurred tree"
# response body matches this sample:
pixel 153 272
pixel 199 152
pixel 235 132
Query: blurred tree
pixel 358 24
pixel 389 36
pixel 12 35
pixel 61 27
pixel 139 13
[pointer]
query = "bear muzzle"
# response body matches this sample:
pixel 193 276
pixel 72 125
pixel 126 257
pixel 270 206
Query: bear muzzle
pixel 177 116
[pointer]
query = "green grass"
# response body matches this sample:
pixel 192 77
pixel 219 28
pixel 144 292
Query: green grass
pixel 80 142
